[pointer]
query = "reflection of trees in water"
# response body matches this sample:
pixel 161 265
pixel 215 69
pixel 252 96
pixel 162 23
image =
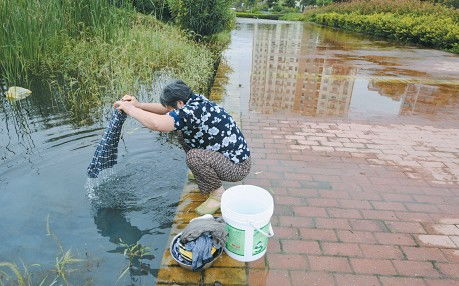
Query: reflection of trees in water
pixel 112 223
pixel 417 97
pixel 307 69
pixel 113 201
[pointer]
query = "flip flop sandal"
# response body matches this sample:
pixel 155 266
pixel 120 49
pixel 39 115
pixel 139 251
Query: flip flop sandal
pixel 203 209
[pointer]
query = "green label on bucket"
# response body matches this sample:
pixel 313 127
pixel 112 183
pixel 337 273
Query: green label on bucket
pixel 236 240
pixel 260 241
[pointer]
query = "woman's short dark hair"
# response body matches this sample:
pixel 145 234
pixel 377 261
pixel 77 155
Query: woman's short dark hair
pixel 175 91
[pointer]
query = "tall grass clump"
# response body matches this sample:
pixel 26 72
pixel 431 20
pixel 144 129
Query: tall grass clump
pixel 32 29
pixel 408 21
pixel 92 51
pixel 203 17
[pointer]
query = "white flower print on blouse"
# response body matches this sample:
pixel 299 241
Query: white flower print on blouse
pixel 205 125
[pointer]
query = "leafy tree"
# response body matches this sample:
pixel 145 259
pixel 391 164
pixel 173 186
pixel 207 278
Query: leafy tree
pixel 159 8
pixel 204 17
pixel 308 2
pixel 290 3
pixel 271 3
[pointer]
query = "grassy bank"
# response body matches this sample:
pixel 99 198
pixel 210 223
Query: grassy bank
pixel 93 51
pixel 407 21
pixel 259 15
pixel 287 16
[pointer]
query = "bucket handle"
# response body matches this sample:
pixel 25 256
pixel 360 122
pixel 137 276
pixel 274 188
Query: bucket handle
pixel 271 231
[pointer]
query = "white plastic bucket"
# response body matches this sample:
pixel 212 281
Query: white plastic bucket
pixel 247 212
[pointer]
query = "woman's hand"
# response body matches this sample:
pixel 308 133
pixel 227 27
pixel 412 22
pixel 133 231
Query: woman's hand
pixel 125 106
pixel 131 99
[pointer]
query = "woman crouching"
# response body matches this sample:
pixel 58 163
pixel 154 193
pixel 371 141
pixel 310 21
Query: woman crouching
pixel 215 148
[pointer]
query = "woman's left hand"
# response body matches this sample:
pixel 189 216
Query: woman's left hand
pixel 125 106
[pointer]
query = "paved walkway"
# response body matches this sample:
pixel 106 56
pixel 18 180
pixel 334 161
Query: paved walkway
pixel 358 204
pixel 355 204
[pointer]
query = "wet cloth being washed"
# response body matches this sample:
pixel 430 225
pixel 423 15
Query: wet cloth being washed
pixel 200 235
pixel 201 250
pixel 107 151
pixel 207 223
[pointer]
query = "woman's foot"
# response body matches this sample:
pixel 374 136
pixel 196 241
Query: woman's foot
pixel 212 204
pixel 191 177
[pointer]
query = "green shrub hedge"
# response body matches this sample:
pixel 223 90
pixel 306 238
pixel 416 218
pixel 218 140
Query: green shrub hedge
pixel 407 21
pixel 428 30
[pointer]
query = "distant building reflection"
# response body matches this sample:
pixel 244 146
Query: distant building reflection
pixel 304 70
pixel 291 72
pixel 415 97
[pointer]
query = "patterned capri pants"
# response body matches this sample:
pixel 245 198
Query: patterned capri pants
pixel 210 168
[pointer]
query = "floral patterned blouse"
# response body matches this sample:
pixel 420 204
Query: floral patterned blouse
pixel 205 125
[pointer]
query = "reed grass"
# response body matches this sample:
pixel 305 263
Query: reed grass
pixel 93 52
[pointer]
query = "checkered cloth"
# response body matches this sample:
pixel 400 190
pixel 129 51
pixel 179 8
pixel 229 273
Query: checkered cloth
pixel 107 150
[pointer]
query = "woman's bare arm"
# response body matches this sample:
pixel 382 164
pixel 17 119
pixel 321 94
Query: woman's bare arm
pixel 164 123
pixel 150 107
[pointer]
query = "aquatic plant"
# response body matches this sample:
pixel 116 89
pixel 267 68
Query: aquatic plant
pixel 134 253
pixel 60 270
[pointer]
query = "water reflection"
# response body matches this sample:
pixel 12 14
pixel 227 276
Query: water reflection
pixel 315 71
pixel 112 223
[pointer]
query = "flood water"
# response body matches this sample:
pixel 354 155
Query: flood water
pixel 274 67
pixel 43 159
pixel 306 69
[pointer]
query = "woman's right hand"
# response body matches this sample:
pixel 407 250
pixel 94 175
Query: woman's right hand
pixel 131 99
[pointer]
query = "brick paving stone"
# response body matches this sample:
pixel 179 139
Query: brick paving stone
pixel 268 277
pixel 378 214
pixel 395 238
pixel 381 251
pixel 388 206
pixel 455 239
pixel 318 234
pixel 415 268
pixel 373 266
pixel 443 282
pixel 343 213
pixel 447 229
pixel 300 247
pixel 310 211
pixel 402 281
pixel 424 253
pixel 261 263
pixel 329 263
pixel 355 204
pixel 225 276
pixel 287 261
pixel 291 221
pixel 356 280
pixel 274 245
pixel 357 208
pixel 319 202
pixel 332 223
pixel 301 278
pixel 356 236
pixel 367 225
pixel 178 275
pixel 437 240
pixel 285 232
pixel 341 249
pixel 405 227
pixel 452 270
